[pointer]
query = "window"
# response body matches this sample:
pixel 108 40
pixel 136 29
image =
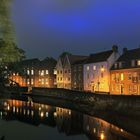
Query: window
pixel 42 81
pixel 28 72
pixel 32 72
pixel 115 65
pixel 88 76
pixel 102 74
pixel 65 71
pixel 61 71
pixel 113 77
pixel 87 68
pixel 129 76
pixel 57 78
pixel 28 81
pixel 55 72
pixel 61 79
pixel 120 64
pixel 94 67
pixel 69 71
pixel 69 79
pixel 58 72
pixel 138 62
pixel 42 73
pixel 133 63
pixel 47 72
pixel 122 77
pixel 32 81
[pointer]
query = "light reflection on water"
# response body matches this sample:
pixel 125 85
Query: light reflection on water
pixel 35 121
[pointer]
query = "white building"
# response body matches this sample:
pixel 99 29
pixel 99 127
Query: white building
pixel 97 70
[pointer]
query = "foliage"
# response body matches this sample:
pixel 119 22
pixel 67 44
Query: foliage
pixel 9 52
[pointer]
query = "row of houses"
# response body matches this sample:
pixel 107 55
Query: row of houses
pixel 103 72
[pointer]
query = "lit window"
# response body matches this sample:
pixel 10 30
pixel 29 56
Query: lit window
pixel 122 77
pixel 42 81
pixel 94 67
pixel 87 67
pixel 32 81
pixel 138 62
pixel 28 72
pixel 47 72
pixel 28 81
pixel 55 72
pixel 32 72
pixel 42 73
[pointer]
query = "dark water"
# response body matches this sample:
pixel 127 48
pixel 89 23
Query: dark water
pixel 20 120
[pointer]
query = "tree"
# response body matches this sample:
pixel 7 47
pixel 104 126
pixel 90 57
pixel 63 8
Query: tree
pixel 9 52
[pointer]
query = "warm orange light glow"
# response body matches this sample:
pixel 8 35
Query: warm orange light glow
pixel 55 114
pixel 102 69
pixel 42 114
pixel 102 136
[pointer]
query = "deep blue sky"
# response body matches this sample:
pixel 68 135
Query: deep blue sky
pixel 48 27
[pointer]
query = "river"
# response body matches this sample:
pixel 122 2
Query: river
pixel 22 120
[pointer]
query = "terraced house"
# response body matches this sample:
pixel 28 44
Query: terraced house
pixel 36 73
pixel 125 73
pixel 97 70
pixel 64 69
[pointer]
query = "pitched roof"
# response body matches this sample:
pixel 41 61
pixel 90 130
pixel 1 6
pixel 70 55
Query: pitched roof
pixel 126 59
pixel 99 57
pixel 75 58
pixel 130 55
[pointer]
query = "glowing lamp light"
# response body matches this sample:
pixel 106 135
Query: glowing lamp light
pixel 55 114
pixel 102 69
pixel 102 136
pixel 42 114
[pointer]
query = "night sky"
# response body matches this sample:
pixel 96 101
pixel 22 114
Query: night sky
pixel 49 27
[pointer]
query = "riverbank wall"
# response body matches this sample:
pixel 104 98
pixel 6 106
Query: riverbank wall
pixel 122 104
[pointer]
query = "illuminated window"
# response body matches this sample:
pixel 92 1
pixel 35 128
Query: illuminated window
pixel 42 81
pixel 42 73
pixel 32 72
pixel 138 62
pixel 28 81
pixel 113 77
pixel 94 67
pixel 122 76
pixel 87 68
pixel 55 72
pixel 47 72
pixel 32 81
pixel 28 72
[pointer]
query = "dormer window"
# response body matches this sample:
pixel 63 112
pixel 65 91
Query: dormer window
pixel 138 62
pixel 115 65
pixel 120 64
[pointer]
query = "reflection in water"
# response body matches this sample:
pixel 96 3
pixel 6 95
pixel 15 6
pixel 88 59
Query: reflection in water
pixel 67 121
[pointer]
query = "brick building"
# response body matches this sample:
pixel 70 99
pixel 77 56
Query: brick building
pixel 36 73
pixel 125 73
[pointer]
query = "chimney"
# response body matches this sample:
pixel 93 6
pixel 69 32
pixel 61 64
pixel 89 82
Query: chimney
pixel 124 50
pixel 115 48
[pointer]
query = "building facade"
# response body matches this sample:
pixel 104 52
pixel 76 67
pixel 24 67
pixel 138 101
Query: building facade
pixel 36 73
pixel 97 70
pixel 77 75
pixel 64 70
pixel 125 73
